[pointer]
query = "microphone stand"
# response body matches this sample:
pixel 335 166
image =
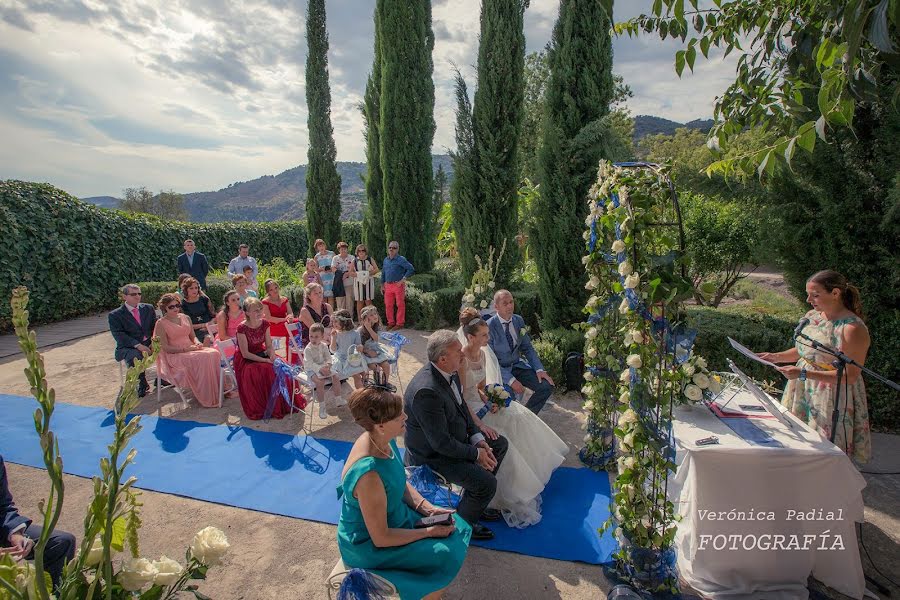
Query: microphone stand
pixel 840 363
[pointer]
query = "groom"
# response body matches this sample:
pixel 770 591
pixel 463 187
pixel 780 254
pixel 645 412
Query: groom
pixel 520 366
pixel 440 433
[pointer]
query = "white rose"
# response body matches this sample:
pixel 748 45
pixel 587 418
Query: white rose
pixel 623 307
pixel 469 298
pixel 586 235
pixel 587 438
pixel 714 386
pixel 136 573
pixel 592 283
pixel 625 269
pixel 95 554
pixel 585 259
pixel 491 284
pixel 688 369
pixel 591 333
pixel 592 352
pixel 483 304
pixel 632 281
pixel 168 571
pixel 209 546
pixel 628 340
pixel 589 405
pixel 637 336
pixel 629 462
pixel 625 376
pixel 504 394
pixel 586 390
pixel 628 417
pixel 692 392
pixel 620 464
pixel 634 360
pixel 628 442
pixel 618 246
pixel 588 376
pixel 701 381
pixel 477 289
pixel 700 362
pixel 625 398
pixel 592 301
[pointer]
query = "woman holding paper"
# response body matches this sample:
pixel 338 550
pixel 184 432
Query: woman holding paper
pixel 836 321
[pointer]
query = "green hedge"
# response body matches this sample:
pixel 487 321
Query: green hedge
pixel 73 256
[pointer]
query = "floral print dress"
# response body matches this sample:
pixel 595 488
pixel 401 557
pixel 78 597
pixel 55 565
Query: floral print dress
pixel 813 401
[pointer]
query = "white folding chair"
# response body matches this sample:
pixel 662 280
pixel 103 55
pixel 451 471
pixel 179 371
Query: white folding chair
pixel 301 380
pixel 212 328
pixel 123 368
pixel 396 341
pixel 227 348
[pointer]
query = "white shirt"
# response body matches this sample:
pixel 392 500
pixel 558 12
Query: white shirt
pixel 478 437
pixel 512 329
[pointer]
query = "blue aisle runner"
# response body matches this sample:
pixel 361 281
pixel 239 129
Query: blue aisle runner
pixel 294 476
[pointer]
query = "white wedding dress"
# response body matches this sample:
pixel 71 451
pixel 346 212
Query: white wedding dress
pixel 535 451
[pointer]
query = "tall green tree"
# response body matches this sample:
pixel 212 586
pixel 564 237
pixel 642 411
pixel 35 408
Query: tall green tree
pixel 440 192
pixel 407 126
pixel 576 137
pixel 496 125
pixel 323 184
pixel 373 216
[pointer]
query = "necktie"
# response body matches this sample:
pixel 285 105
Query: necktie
pixel 137 315
pixel 509 339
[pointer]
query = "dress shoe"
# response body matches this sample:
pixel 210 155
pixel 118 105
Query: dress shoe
pixel 491 514
pixel 480 532
pixel 142 391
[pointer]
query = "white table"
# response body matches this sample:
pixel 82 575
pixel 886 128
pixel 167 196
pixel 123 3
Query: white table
pixel 722 558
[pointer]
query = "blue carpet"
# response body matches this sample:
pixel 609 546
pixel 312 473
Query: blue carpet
pixel 294 476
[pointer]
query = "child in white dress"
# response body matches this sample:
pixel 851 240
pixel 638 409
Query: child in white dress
pixel 349 360
pixel 317 364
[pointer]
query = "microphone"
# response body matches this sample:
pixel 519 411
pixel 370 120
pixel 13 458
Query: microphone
pixel 800 327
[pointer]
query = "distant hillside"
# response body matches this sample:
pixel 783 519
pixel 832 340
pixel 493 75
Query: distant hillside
pixel 645 125
pixel 279 197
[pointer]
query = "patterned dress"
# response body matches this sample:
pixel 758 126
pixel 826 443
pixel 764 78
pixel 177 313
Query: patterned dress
pixel 813 401
pixel 364 285
pixel 324 260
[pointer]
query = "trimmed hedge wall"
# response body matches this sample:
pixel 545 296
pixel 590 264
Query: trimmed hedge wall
pixel 73 256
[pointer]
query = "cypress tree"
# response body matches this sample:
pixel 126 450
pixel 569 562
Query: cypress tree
pixel 407 126
pixel 579 93
pixel 323 184
pixel 497 113
pixel 373 217
pixel 464 188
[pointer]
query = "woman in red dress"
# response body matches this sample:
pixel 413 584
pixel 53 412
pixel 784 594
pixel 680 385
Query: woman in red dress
pixel 253 364
pixel 277 312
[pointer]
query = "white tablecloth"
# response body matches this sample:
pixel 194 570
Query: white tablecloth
pixel 807 474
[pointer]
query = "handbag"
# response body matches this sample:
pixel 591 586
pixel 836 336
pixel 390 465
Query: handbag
pixel 337 287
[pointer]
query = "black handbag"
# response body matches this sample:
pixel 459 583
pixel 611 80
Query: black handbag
pixel 337 286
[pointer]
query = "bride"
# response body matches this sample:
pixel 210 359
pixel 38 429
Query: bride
pixel 534 450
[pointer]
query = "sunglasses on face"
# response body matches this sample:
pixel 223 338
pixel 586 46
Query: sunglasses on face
pixel 171 306
pixel 393 247
pixel 133 294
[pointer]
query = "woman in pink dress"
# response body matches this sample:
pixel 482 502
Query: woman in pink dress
pixel 231 315
pixel 253 364
pixel 182 359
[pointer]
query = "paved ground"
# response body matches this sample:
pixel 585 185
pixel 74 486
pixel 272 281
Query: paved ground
pixel 279 557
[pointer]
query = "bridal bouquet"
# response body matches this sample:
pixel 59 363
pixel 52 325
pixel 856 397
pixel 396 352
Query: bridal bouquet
pixel 498 395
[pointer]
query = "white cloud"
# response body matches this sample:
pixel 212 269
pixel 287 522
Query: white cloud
pixel 195 94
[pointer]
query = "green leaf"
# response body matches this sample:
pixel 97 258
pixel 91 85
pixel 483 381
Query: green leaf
pixel 657 7
pixel 200 596
pixel 679 9
pixel 154 593
pixel 691 56
pixel 789 151
pixel 704 46
pixel 679 62
pixel 118 535
pixel 806 138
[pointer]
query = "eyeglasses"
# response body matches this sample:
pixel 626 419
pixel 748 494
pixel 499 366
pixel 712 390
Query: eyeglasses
pixel 133 294
pixel 393 247
pixel 171 306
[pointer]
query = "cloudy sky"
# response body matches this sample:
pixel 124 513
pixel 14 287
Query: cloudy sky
pixel 96 96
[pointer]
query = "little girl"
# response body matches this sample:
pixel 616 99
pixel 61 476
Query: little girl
pixel 317 364
pixel 348 349
pixel 251 280
pixel 311 275
pixel 376 355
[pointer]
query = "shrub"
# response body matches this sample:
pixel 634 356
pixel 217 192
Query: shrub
pixel 528 304
pixel 551 356
pixel 427 282
pixel 446 306
pixel 567 340
pixel 152 291
pixel 73 256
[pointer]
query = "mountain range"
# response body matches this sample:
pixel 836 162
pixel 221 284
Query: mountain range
pixel 282 197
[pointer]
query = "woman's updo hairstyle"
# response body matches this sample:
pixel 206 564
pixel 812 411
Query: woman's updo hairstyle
pixel 849 293
pixel 471 321
pixel 373 406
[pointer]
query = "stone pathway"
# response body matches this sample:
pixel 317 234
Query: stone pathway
pixel 57 333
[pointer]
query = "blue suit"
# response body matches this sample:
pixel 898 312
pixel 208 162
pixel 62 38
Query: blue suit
pixel 60 547
pixel 519 362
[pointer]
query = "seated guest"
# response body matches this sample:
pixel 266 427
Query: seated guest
pixel 131 325
pixel 253 366
pixel 379 508
pixel 317 363
pixel 252 283
pixel 314 310
pixel 181 279
pixel 520 366
pixel 197 307
pixel 441 433
pixel 240 284
pixel 182 359
pixel 193 263
pixel 231 315
pixel 18 535
pixel 276 310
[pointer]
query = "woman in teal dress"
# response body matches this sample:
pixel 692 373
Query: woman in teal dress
pixel 379 507
pixel 835 321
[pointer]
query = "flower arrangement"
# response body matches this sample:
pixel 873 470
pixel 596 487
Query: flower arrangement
pixel 499 395
pixel 480 293
pixel 113 516
pixel 637 358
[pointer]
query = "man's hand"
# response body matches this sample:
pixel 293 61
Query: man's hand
pixel 489 432
pixel 143 349
pixel 21 546
pixel 486 457
pixel 517 387
pixel 543 376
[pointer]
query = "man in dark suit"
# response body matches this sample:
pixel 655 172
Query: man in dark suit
pixel 18 535
pixel 440 433
pixel 132 327
pixel 193 263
